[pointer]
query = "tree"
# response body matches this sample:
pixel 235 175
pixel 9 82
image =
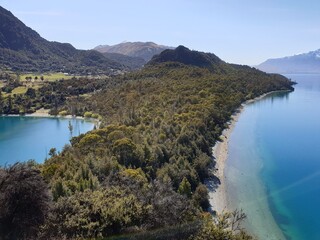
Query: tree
pixel 31 93
pixel 201 197
pixel 224 226
pixel 185 187
pixel 24 201
pixel 70 127
pixel 125 150
pixel 1 102
pixel 52 152
pixel 90 214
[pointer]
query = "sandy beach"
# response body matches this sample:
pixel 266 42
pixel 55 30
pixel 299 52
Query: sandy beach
pixel 44 113
pixel 225 198
pixel 218 198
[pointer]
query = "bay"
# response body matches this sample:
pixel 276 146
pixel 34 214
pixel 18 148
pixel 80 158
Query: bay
pixel 274 162
pixel 25 138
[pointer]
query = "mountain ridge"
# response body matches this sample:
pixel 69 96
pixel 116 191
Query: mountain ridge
pixel 23 49
pixel 144 50
pixel 300 63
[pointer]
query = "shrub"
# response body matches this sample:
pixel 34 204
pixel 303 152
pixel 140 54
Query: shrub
pixel 63 113
pixel 24 201
pixel 87 114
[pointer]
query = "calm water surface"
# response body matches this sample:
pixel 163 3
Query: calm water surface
pixel 24 138
pixel 281 134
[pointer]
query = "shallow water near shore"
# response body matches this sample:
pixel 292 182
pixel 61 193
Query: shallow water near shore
pixel 25 138
pixel 273 168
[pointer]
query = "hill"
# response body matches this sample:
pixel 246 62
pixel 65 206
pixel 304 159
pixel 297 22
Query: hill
pixel 144 170
pixel 185 56
pixel 130 62
pixel 23 49
pixel 302 63
pixel 144 50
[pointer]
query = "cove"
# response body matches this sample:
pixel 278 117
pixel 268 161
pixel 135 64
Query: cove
pixel 273 169
pixel 25 138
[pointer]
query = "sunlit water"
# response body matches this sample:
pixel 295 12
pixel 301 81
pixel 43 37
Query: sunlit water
pixel 276 146
pixel 25 138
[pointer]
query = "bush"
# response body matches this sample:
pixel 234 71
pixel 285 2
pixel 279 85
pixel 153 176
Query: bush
pixel 96 116
pixel 24 201
pixel 63 113
pixel 87 114
pixel 95 213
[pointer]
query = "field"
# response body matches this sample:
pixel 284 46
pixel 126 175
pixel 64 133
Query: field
pixel 46 77
pixel 19 90
pixel 31 80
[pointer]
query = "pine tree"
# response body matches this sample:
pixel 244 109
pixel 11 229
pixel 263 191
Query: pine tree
pixel 185 188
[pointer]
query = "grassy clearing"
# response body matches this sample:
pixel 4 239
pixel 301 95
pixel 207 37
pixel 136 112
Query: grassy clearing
pixel 19 90
pixel 34 83
pixel 47 76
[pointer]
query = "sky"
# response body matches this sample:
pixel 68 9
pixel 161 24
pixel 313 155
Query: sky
pixel 238 31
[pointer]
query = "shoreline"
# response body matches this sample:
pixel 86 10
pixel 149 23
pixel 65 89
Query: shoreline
pixel 44 113
pixel 220 196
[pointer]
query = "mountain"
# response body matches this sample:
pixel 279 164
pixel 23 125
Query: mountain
pixel 185 56
pixel 182 57
pixel 144 50
pixel 132 63
pixel 302 63
pixel 23 49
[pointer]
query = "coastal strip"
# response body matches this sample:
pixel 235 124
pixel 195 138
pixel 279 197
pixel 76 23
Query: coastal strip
pixel 218 198
pixel 44 113
pixel 221 198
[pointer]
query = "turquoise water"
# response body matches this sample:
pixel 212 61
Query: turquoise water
pixel 277 139
pixel 25 138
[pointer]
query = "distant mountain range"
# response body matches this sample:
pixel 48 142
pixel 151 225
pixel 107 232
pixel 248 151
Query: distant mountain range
pixel 131 63
pixel 302 63
pixel 23 49
pixel 143 50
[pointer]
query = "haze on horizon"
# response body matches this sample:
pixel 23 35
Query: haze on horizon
pixel 245 32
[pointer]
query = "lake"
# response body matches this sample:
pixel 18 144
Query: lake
pixel 25 138
pixel 274 162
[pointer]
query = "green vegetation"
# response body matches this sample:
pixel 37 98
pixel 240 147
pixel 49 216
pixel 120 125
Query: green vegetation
pixel 142 173
pixel 45 77
pixel 24 201
pixel 19 90
pixel 21 96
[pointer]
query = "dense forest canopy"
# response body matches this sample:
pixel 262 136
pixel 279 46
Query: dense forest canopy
pixel 142 173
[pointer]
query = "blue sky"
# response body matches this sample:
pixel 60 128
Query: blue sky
pixel 238 31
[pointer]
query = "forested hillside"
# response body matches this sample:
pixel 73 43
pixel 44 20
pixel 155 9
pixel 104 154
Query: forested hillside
pixel 23 49
pixel 142 173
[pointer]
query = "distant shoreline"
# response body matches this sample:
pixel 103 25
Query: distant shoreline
pixel 44 113
pixel 220 197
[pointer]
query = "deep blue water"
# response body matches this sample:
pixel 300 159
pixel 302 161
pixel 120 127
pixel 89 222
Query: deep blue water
pixel 25 138
pixel 282 133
